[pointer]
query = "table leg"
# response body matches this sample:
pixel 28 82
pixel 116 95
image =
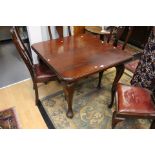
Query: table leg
pixel 100 78
pixel 69 91
pixel 119 72
pixel 152 124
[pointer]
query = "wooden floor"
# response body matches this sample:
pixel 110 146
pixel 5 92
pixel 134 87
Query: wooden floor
pixel 21 96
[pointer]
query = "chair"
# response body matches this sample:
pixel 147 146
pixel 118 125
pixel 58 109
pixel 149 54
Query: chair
pixel 138 101
pixel 133 102
pixel 139 35
pixel 131 66
pixel 118 34
pixel 60 33
pixel 59 30
pixel 40 73
pixel 120 30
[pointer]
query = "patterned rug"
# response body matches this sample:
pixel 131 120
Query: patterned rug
pixel 8 119
pixel 90 106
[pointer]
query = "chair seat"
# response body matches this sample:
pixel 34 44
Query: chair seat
pixel 131 66
pixel 43 73
pixel 135 100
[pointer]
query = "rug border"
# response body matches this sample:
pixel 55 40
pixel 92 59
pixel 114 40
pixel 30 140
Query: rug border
pixel 45 116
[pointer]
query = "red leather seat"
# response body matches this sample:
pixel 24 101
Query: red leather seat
pixel 43 73
pixel 135 100
pixel 131 66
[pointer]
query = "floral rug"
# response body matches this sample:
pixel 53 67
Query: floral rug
pixel 8 119
pixel 90 106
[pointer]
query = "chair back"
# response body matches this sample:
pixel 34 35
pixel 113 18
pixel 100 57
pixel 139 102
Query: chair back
pixel 59 30
pixel 119 33
pixel 25 55
pixel 27 49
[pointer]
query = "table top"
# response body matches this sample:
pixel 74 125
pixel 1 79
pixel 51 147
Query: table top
pixel 75 57
pixel 97 30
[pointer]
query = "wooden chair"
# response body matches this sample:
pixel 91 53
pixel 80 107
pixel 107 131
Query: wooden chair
pixel 59 30
pixel 60 33
pixel 133 102
pixel 132 65
pixel 118 34
pixel 40 73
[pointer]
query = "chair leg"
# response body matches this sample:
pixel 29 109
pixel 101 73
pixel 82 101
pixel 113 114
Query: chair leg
pixel 116 119
pixel 36 94
pixel 45 83
pixel 100 78
pixel 33 86
pixel 152 125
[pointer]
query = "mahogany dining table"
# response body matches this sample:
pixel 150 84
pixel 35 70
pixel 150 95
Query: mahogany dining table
pixel 75 57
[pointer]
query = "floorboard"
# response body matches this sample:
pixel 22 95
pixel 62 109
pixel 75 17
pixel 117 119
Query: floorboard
pixel 21 96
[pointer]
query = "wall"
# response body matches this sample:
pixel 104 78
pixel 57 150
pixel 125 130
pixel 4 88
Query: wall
pixel 35 35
